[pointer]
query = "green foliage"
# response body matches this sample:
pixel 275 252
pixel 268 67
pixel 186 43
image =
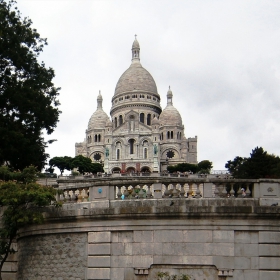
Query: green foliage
pixel 204 166
pixel 28 175
pixel 83 164
pixel 61 163
pixel 260 164
pixel 28 98
pixel 21 205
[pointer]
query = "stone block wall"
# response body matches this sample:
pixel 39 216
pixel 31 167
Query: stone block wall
pixel 53 257
pixel 201 254
pixel 135 240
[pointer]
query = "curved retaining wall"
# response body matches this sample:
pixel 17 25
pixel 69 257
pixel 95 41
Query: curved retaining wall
pixel 205 239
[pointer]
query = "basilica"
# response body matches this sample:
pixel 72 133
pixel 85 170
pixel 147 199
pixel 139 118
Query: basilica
pixel 139 136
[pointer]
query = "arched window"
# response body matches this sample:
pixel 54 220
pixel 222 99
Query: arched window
pixel 142 116
pixel 131 146
pixel 168 135
pixel 171 136
pixel 145 153
pixel 116 122
pixel 180 135
pixel 95 138
pixel 149 119
pixel 120 120
pixel 118 154
pixel 99 137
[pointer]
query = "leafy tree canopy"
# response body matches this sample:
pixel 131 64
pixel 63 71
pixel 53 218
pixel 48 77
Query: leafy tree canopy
pixel 21 201
pixel 83 164
pixel 28 97
pixel 61 163
pixel 260 164
pixel 28 175
pixel 204 166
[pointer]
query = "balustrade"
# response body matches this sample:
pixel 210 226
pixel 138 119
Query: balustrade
pixel 167 187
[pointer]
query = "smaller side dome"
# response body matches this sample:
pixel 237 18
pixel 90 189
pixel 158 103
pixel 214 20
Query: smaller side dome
pixel 99 118
pixel 170 115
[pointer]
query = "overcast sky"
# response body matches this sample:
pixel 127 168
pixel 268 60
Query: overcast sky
pixel 221 59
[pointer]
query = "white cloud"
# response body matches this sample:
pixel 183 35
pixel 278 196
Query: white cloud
pixel 221 59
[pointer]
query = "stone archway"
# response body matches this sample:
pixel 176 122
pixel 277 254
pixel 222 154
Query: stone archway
pixel 116 170
pixel 145 169
pixel 130 170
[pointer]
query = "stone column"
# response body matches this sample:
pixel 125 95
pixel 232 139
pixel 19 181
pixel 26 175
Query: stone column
pixel 99 255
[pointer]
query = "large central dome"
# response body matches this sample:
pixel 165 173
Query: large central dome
pixel 136 78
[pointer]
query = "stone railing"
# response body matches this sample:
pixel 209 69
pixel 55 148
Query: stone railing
pixel 166 187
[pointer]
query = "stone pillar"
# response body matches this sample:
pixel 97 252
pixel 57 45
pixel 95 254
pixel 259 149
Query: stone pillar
pixel 157 190
pixel 99 255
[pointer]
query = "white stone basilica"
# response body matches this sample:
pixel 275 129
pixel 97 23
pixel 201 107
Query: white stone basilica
pixel 140 136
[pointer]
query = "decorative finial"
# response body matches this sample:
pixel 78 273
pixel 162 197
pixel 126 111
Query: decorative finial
pixel 135 37
pixel 99 100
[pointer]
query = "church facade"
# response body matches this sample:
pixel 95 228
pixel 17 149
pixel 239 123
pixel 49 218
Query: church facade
pixel 139 136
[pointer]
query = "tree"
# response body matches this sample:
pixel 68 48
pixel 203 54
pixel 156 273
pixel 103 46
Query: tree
pixel 260 164
pixel 205 166
pixel 28 97
pixel 61 163
pixel 21 203
pixel 84 164
pixel 183 167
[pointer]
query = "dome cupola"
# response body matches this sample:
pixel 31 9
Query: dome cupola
pixel 135 51
pixel 136 87
pixel 170 115
pixel 99 118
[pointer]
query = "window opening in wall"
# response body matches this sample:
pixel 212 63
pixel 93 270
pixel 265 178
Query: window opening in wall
pixel 168 135
pixel 116 122
pixel 142 116
pixel 155 139
pixel 95 138
pixel 145 153
pixel 97 156
pixel 99 137
pixel 118 154
pixel 131 146
pixel 171 135
pixel 149 119
pixel 170 154
pixel 120 120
